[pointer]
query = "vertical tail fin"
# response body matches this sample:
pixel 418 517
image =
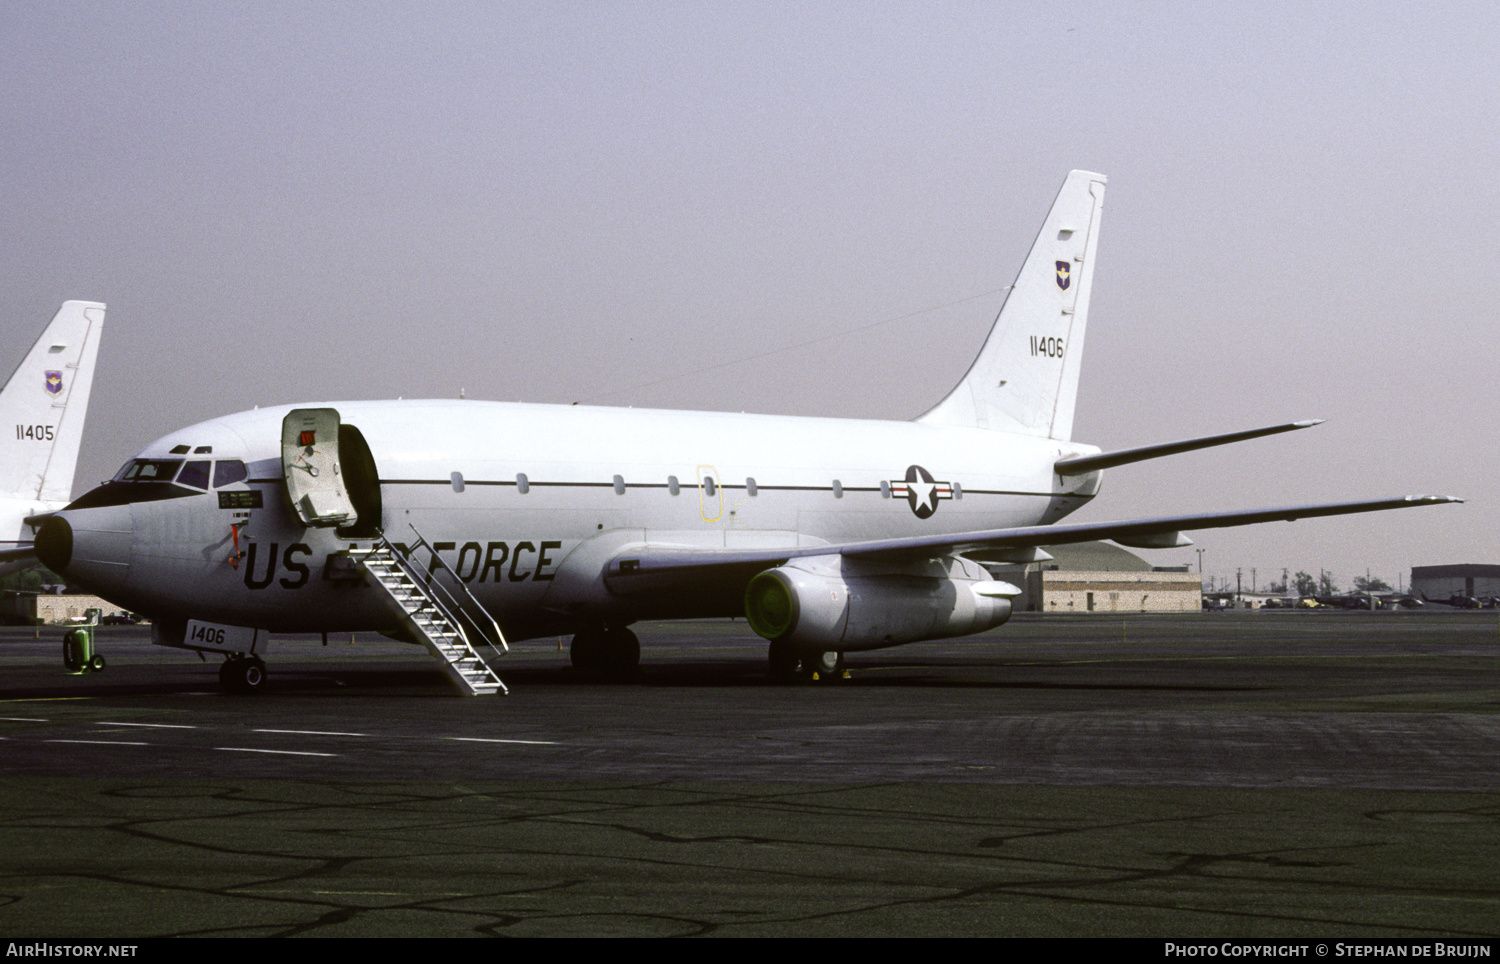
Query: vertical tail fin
pixel 43 405
pixel 1025 379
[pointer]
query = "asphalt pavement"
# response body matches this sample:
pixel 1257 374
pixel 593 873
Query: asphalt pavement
pixel 1202 775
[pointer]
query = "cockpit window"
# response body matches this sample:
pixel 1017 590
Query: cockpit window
pixel 151 480
pixel 194 474
pixel 228 472
pixel 150 470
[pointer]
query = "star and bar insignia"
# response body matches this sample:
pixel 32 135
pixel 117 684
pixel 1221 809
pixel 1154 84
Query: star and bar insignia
pixel 920 491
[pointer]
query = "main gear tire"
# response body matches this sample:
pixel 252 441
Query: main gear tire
pixel 782 662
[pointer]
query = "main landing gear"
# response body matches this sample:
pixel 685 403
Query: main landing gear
pixel 612 653
pixel 243 674
pixel 788 664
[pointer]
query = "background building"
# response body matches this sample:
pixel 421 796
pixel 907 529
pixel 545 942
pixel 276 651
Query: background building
pixel 1440 582
pixel 29 608
pixel 1091 577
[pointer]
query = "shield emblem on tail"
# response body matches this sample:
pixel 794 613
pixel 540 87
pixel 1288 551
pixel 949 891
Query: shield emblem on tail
pixel 1064 275
pixel 53 383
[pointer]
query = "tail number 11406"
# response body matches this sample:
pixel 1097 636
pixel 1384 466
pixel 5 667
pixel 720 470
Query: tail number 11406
pixel 1046 347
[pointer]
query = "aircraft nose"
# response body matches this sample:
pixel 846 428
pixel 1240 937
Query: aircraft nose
pixel 90 546
pixel 54 544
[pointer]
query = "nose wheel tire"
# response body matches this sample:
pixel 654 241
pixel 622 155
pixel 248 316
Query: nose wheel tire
pixel 243 674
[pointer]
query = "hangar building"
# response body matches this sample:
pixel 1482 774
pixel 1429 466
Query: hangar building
pixel 1440 582
pixel 1089 577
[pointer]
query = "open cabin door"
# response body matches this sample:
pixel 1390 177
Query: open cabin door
pixel 314 474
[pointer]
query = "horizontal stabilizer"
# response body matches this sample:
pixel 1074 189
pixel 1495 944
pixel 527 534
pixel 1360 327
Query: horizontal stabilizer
pixel 14 552
pixel 1082 464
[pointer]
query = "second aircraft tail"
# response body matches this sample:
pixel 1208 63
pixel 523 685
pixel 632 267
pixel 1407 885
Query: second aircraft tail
pixel 1025 379
pixel 43 405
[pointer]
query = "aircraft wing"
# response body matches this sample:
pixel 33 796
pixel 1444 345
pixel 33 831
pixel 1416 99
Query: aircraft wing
pixel 636 565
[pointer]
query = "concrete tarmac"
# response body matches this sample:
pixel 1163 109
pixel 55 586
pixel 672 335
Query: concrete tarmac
pixel 1217 775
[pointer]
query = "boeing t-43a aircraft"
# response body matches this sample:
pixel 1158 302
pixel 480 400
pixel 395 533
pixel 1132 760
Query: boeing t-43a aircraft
pixel 42 409
pixel 440 522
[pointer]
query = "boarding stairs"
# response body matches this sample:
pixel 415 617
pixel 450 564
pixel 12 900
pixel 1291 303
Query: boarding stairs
pixel 434 615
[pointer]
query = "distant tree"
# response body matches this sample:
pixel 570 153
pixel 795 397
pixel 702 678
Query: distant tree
pixel 1277 587
pixel 1326 585
pixel 1371 584
pixel 1305 584
pixel 30 580
pixel 27 580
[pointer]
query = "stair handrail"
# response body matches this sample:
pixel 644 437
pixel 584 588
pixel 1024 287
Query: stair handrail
pixel 424 586
pixel 463 587
pixel 415 575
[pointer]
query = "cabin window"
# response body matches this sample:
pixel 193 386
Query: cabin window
pixel 838 489
pixel 673 486
pixel 523 484
pixel 228 472
pixel 750 488
pixel 457 478
pixel 708 485
pixel 204 450
pixel 619 485
pixel 179 450
pixel 194 474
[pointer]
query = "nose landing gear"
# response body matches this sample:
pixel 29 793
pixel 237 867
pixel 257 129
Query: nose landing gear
pixel 243 674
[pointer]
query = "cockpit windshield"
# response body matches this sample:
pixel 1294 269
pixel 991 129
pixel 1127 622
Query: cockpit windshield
pixel 228 472
pixel 195 473
pixel 151 480
pixel 149 470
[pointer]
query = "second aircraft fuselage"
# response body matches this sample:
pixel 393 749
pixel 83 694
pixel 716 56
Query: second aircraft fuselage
pixel 527 502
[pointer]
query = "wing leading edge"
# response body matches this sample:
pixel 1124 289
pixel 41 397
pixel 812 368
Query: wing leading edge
pixel 640 562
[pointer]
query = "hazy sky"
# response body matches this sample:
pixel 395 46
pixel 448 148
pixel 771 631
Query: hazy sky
pixel 663 204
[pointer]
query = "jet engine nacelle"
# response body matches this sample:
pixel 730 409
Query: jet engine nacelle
pixel 821 606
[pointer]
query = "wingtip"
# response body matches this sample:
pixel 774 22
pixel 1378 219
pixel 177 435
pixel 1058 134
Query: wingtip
pixel 1433 499
pixel 1309 422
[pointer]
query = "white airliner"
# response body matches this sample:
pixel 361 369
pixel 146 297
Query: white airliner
pixel 42 409
pixel 829 535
